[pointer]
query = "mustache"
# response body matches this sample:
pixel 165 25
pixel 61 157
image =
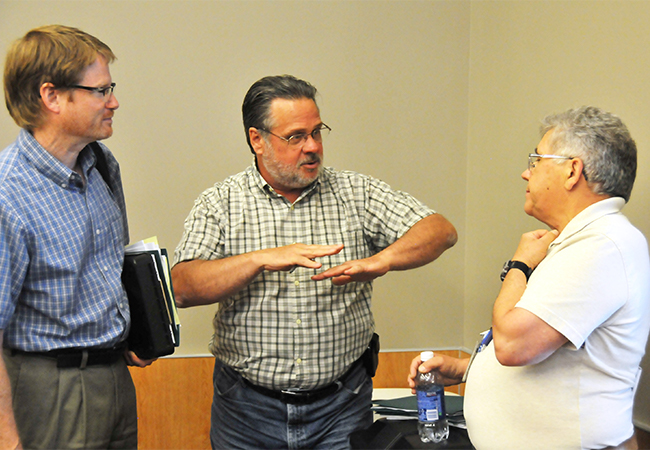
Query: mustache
pixel 311 158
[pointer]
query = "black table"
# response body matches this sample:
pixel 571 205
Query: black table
pixel 403 434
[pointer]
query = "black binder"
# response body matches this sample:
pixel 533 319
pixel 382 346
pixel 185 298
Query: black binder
pixel 152 333
pixel 153 330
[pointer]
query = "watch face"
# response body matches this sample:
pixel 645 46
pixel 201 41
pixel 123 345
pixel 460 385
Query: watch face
pixel 504 272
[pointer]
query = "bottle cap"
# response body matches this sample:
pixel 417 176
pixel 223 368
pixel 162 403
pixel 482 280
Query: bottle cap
pixel 426 355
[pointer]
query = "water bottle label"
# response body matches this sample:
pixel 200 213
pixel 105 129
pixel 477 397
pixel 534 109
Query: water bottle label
pixel 430 406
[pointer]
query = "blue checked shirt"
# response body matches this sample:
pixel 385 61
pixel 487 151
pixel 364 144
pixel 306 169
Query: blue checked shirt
pixel 284 330
pixel 61 251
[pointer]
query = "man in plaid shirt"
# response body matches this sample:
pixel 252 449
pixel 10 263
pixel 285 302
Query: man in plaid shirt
pixel 289 339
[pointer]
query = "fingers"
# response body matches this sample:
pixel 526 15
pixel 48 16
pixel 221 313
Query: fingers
pixel 133 360
pixel 361 270
pixel 327 250
pixel 295 255
pixel 332 272
pixel 310 252
pixel 533 246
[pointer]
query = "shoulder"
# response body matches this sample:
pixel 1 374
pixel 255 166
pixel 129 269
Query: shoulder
pixel 8 163
pixel 15 173
pixel 346 178
pixel 238 185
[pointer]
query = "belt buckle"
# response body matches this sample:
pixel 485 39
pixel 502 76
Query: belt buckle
pixel 295 397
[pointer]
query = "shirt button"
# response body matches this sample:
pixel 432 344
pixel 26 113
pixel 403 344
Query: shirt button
pixel 298 321
pixel 98 232
pixel 296 282
pixel 298 361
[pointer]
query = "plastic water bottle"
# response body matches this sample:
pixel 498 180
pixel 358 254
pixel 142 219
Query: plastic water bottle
pixel 432 417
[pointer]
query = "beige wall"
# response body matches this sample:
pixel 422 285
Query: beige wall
pixel 529 59
pixel 440 99
pixel 393 83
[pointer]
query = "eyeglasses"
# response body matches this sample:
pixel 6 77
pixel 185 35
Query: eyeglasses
pixel 104 91
pixel 533 158
pixel 299 140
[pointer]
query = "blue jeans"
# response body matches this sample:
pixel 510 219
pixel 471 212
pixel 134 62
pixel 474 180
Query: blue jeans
pixel 244 418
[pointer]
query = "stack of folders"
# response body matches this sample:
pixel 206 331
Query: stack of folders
pixel 406 408
pixel 155 327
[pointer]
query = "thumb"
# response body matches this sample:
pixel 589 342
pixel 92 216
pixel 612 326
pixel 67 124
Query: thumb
pixel 551 236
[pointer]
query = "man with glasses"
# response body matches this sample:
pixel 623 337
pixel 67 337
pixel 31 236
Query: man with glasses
pixel 570 324
pixel 64 314
pixel 289 250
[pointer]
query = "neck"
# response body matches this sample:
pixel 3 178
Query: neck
pixel 62 149
pixel 575 206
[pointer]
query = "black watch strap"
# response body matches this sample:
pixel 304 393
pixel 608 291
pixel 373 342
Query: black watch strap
pixel 516 265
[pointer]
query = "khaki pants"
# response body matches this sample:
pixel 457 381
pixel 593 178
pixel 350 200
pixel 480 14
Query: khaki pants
pixel 72 408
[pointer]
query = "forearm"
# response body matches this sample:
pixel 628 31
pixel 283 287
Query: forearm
pixel 423 243
pixel 520 337
pixel 508 335
pixel 200 282
pixel 9 438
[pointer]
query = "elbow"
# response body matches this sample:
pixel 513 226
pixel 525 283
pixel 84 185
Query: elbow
pixel 449 232
pixel 452 236
pixel 181 294
pixel 180 301
pixel 509 354
pixel 508 359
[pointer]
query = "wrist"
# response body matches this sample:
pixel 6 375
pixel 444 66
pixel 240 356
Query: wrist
pixel 515 264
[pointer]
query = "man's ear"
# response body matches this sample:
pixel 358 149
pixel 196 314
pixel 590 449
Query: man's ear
pixel 574 173
pixel 50 97
pixel 257 140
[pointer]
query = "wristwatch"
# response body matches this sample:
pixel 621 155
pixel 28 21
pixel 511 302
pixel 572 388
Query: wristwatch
pixel 516 265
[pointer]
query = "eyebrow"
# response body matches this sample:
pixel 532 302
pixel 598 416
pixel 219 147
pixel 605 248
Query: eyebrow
pixel 304 130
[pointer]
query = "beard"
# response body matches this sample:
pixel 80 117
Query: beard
pixel 291 176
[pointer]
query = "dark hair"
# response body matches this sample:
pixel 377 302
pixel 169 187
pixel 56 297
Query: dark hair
pixel 256 109
pixel 50 54
pixel 603 143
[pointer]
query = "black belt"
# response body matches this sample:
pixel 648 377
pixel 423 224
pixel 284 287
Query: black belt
pixel 304 397
pixel 79 357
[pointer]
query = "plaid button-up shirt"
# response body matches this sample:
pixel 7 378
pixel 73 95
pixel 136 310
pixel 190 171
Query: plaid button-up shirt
pixel 61 251
pixel 284 330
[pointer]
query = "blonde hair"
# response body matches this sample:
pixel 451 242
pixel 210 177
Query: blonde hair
pixel 54 54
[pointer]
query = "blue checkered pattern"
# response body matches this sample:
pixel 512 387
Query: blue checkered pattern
pixel 285 330
pixel 61 251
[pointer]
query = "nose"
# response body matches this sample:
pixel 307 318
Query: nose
pixel 311 145
pixel 526 174
pixel 112 102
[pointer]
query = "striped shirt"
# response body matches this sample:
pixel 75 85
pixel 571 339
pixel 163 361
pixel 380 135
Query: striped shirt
pixel 61 251
pixel 284 330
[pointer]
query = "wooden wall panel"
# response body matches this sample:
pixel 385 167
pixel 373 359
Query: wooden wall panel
pixel 393 369
pixel 174 400
pixel 175 396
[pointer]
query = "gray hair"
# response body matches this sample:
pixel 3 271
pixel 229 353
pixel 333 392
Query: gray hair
pixel 601 141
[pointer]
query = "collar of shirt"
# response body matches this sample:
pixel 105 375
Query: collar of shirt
pixel 268 189
pixel 51 167
pixel 612 205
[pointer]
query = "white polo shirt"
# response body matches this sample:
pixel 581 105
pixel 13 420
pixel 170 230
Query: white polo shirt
pixel 594 288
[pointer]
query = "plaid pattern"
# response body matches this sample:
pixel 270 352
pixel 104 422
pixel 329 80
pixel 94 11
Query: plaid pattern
pixel 285 330
pixel 61 251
